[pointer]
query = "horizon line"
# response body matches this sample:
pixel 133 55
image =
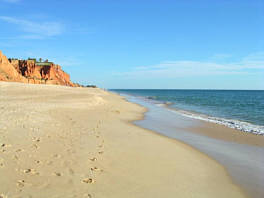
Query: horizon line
pixel 185 89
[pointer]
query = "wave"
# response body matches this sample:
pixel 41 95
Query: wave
pixel 234 124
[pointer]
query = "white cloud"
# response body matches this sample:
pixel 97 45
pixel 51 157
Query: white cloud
pixel 36 30
pixel 251 64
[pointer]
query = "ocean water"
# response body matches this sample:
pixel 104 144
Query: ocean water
pixel 244 163
pixel 239 109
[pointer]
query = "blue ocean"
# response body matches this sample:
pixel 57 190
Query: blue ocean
pixel 240 109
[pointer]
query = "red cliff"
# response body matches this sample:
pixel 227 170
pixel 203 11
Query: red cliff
pixel 30 71
pixel 8 72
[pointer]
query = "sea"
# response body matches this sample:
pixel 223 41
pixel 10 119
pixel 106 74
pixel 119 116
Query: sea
pixel 239 109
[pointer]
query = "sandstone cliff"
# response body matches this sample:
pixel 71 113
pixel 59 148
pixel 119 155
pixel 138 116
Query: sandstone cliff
pixel 29 71
pixel 8 72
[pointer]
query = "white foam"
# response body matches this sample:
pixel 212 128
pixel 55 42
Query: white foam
pixel 234 124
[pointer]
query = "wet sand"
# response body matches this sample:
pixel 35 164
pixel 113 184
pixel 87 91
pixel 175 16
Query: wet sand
pixel 240 153
pixel 228 134
pixel 79 142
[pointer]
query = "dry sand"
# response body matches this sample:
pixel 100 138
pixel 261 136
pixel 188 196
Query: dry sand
pixel 78 142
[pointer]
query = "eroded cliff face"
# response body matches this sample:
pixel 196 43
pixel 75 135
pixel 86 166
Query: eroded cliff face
pixel 8 72
pixel 28 71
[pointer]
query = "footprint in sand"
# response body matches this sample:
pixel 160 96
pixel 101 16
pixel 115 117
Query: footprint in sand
pixel 27 171
pixel 3 146
pixel 85 196
pixel 35 139
pixel 58 174
pixel 37 161
pixel 2 163
pixel 21 183
pixel 88 180
pixel 31 171
pixel 96 169
pixel 93 159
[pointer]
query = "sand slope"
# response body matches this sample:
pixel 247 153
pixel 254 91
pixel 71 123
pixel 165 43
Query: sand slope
pixel 77 142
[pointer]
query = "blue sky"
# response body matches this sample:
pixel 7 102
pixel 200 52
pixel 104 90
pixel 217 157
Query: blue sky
pixel 200 44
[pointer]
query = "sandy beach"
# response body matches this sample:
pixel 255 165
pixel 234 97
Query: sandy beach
pixel 60 141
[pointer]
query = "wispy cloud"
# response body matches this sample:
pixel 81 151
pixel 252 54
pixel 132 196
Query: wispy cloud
pixel 252 64
pixel 35 30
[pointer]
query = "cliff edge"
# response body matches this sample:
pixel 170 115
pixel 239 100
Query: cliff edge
pixel 8 72
pixel 31 71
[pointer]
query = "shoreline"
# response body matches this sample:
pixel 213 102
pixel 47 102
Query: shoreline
pixel 241 158
pixel 61 141
pixel 221 131
pixel 232 123
pixel 236 125
pixel 228 134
